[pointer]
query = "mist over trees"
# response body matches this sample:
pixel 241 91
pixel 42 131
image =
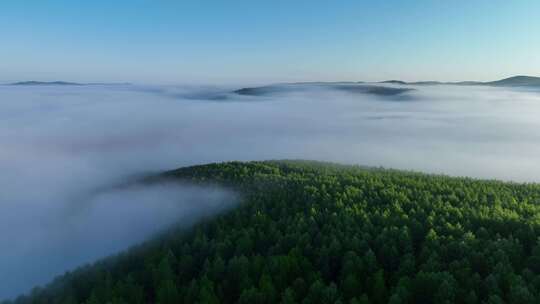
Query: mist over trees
pixel 260 152
pixel 308 232
pixel 117 132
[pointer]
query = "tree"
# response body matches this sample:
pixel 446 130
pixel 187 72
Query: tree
pixel 379 293
pixel 288 297
pixel 351 286
pixel 167 293
pixel 324 233
pixel 206 292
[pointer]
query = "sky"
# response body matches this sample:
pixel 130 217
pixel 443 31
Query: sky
pixel 239 41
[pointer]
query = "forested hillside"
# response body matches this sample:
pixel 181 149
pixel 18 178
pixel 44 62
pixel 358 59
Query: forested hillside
pixel 308 232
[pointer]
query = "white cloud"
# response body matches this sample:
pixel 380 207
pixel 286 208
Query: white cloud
pixel 60 144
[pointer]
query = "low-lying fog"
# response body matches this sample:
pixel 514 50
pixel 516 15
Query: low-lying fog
pixel 60 144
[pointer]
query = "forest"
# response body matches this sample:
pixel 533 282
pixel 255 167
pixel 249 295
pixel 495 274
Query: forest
pixel 312 232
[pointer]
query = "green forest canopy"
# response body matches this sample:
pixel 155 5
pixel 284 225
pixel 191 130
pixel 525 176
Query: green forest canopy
pixel 310 232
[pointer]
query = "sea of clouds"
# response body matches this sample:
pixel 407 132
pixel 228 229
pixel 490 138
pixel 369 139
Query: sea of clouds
pixel 62 147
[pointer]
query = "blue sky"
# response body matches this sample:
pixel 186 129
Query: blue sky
pixel 266 41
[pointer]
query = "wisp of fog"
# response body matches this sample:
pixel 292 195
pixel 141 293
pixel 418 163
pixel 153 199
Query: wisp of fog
pixel 61 144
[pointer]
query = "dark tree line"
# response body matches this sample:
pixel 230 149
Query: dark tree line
pixel 308 232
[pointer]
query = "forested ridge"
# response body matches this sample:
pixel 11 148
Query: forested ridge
pixel 310 232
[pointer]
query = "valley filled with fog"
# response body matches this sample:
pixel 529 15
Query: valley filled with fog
pixel 64 147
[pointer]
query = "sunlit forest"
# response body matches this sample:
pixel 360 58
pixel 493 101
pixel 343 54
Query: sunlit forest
pixel 310 232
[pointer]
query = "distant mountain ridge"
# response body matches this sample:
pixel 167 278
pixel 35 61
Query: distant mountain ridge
pixel 32 83
pixel 353 87
pixel 349 87
pixel 61 83
pixel 380 88
pixel 514 81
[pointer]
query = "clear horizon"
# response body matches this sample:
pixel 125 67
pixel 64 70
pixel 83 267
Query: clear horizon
pixel 275 82
pixel 245 42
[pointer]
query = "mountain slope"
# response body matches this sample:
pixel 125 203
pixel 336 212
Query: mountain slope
pixel 44 83
pixel 66 83
pixel 309 232
pixel 516 81
pixel 352 88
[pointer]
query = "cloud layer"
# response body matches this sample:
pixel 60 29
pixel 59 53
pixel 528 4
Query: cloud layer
pixel 59 144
